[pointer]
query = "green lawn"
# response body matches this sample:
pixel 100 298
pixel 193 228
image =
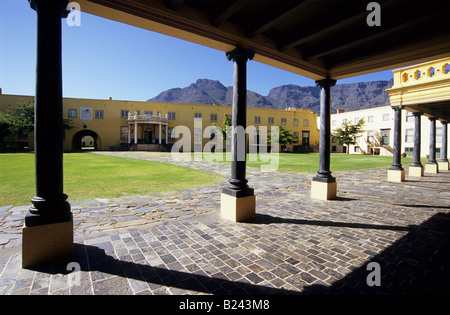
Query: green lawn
pixel 309 162
pixel 88 176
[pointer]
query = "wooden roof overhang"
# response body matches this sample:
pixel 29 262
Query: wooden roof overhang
pixel 313 38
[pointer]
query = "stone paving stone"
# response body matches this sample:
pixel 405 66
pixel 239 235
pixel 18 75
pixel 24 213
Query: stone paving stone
pixel 294 244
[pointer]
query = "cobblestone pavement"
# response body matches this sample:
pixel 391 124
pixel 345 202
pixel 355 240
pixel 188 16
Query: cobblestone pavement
pixel 177 243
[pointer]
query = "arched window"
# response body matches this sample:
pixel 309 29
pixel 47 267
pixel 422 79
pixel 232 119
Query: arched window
pixel 417 75
pixel 446 68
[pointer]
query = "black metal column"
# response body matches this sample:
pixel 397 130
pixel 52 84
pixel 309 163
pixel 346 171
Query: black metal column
pixel 444 143
pixel 396 164
pixel 417 131
pixel 324 173
pixel 237 185
pixel 49 204
pixel 432 156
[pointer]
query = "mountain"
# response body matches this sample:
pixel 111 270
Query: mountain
pixel 349 97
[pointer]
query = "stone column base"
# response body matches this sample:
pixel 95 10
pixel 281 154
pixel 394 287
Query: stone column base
pixel 323 190
pixel 237 208
pixel 396 176
pixel 443 166
pixel 415 171
pixel 45 243
pixel 431 168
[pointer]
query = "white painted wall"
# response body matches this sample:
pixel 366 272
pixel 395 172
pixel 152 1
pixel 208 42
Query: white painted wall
pixel 382 118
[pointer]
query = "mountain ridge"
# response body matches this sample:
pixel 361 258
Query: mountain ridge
pixel 350 96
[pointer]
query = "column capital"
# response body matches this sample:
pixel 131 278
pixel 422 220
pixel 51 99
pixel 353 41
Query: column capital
pixel 398 107
pixel 432 118
pixel 323 83
pixel 416 114
pixel 35 4
pixel 240 54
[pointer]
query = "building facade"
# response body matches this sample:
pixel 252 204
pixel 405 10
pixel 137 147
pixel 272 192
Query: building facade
pixel 377 137
pixel 115 124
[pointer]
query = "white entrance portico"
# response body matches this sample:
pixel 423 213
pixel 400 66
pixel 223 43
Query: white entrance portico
pixel 147 131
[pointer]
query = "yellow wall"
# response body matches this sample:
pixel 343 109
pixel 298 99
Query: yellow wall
pixel 108 128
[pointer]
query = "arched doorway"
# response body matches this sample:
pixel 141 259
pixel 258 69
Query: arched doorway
pixel 85 140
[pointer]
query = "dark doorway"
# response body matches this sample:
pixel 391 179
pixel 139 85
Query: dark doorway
pixel 85 140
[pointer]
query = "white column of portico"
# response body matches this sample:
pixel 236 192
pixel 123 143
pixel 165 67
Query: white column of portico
pixel 129 135
pixel 167 133
pixel 135 132
pixel 159 135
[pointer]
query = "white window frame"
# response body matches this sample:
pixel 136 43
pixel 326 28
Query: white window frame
pixel 71 114
pixel 99 114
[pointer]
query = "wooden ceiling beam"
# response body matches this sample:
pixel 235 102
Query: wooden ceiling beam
pixel 278 19
pixel 396 57
pixel 365 40
pixel 173 5
pixel 228 12
pixel 333 28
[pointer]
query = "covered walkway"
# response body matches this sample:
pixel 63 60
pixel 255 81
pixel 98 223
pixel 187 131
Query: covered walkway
pixel 295 244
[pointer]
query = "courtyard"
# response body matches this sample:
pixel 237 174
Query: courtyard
pixel 175 242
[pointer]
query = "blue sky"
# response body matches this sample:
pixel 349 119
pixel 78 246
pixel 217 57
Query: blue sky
pixel 103 58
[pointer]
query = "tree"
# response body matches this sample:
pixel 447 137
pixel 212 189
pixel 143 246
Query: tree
pixel 226 123
pixel 347 133
pixel 284 137
pixel 19 119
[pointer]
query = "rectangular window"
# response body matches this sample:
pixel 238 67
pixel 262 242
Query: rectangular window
pixel 72 113
pixel 85 113
pixel 385 135
pixel 170 136
pixel 270 121
pixel 256 137
pixel 356 120
pixel 409 116
pixel 22 136
pixel 305 137
pixel 386 117
pixel 197 135
pixel 170 115
pixel 296 122
pixel 148 113
pixel 213 117
pixel 297 136
pixel 409 151
pixel 370 119
pixel 305 122
pixel 123 114
pixel 409 135
pixel 257 120
pixel 333 123
pixel 99 114
pixel 283 121
pixel 370 136
pixel 197 116
pixel 123 133
pixel 438 134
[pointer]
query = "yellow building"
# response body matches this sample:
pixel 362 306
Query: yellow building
pixel 115 124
